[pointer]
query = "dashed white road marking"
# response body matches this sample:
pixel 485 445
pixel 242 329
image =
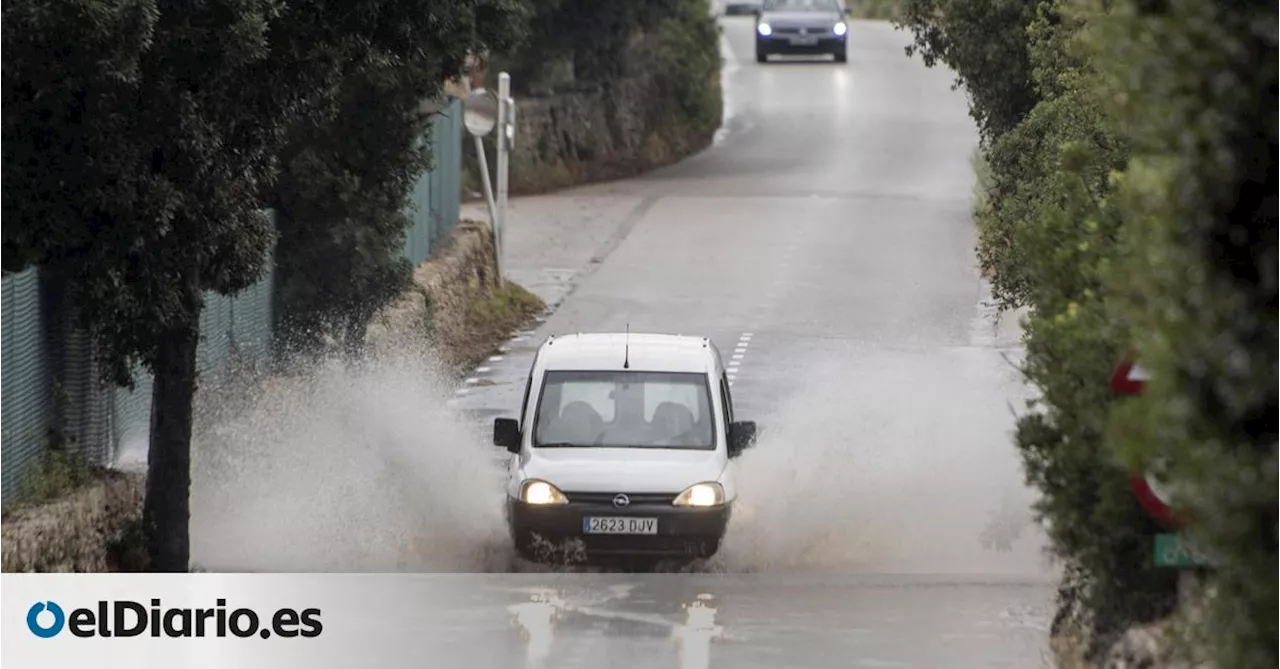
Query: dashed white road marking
pixel 739 353
pixel 483 370
pixel 472 381
pixel 495 358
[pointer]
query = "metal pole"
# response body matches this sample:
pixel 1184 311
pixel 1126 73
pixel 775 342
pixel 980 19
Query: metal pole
pixel 504 139
pixel 488 187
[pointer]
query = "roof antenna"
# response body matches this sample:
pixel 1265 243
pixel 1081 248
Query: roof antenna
pixel 626 356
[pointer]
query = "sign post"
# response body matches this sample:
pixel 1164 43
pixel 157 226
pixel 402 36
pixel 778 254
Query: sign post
pixel 482 113
pixel 506 137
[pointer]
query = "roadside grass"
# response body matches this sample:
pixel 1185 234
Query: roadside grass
pixel 56 474
pixel 489 320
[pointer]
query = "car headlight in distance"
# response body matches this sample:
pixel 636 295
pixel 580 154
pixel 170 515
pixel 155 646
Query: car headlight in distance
pixel 764 29
pixel 538 492
pixel 701 494
pixel 840 29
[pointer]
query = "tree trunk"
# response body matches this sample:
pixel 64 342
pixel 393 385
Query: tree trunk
pixel 166 510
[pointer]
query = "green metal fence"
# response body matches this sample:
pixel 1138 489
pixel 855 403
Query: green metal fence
pixel 49 372
pixel 235 334
pixel 25 374
pixel 435 201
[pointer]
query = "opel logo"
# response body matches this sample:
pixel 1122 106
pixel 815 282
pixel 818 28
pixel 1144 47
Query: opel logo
pixel 804 31
pixel 621 500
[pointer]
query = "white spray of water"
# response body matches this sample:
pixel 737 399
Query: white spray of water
pixel 864 469
pixel 893 462
pixel 346 469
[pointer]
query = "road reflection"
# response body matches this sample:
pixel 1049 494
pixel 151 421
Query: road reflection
pixel 537 620
pixel 693 638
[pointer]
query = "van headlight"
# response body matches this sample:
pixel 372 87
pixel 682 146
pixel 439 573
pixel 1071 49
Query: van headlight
pixel 764 29
pixel 541 493
pixel 840 29
pixel 701 494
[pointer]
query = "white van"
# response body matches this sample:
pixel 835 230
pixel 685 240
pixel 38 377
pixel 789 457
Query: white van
pixel 625 442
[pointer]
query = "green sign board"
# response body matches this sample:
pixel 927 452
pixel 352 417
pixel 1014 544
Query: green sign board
pixel 1173 550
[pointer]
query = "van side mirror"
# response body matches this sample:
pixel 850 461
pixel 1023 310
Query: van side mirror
pixel 506 433
pixel 742 435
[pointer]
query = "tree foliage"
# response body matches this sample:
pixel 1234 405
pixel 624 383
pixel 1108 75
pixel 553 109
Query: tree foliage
pixel 346 179
pixel 592 39
pixel 1049 239
pixel 138 140
pixel 1194 85
pixel 985 42
pixel 1132 208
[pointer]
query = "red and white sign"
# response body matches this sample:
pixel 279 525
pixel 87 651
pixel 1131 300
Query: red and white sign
pixel 1130 378
pixel 1154 498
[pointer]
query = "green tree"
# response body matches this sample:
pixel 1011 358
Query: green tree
pixel 1194 84
pixel 346 179
pixel 986 43
pixel 139 157
pixel 592 37
pixel 1048 240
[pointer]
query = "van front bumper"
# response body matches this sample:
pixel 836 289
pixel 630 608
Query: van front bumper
pixel 540 531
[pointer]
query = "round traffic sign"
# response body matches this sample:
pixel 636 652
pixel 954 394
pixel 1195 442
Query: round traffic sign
pixel 480 112
pixel 1154 497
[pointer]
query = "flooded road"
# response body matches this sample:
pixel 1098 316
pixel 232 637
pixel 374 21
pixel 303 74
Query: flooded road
pixel 825 243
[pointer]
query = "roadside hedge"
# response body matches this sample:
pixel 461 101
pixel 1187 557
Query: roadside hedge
pixel 1131 206
pixel 1193 84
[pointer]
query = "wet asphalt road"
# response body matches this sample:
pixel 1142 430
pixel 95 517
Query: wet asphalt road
pixel 825 243
pixel 648 622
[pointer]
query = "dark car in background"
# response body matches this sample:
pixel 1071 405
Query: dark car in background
pixel 802 27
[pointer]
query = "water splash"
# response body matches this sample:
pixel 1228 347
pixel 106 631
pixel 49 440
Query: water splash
pixel 896 461
pixel 343 468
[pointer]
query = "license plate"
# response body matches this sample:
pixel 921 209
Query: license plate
pixel 804 41
pixel 619 525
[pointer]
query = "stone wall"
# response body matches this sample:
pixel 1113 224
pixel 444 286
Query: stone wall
pixel 602 132
pixel 455 304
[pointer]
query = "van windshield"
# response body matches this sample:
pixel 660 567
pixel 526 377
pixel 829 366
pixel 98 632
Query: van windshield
pixel 624 409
